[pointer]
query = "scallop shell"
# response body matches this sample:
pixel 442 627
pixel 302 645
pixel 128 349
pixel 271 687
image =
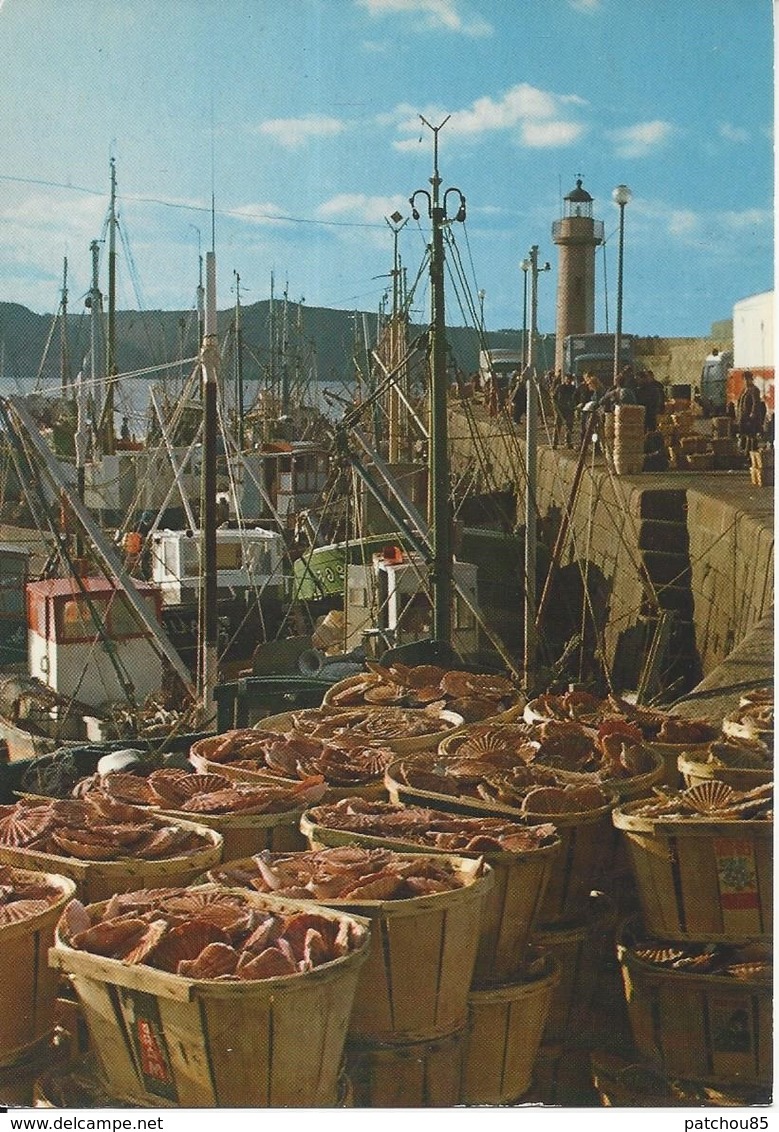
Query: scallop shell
pixel 19 910
pixel 110 937
pixel 82 846
pixel 264 935
pixel 147 943
pixel 217 802
pixel 663 956
pixel 268 964
pixel 127 788
pixel 193 784
pixel 383 694
pixel 754 970
pixel 710 797
pixel 25 824
pixel 215 961
pixel 163 842
pixel 185 941
pixel 383 886
pixel 75 918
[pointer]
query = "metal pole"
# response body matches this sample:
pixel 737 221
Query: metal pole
pixel 530 487
pixel 209 618
pixel 621 196
pixel 441 566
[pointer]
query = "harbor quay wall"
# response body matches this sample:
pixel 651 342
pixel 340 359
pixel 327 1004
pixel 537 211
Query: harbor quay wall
pixel 697 544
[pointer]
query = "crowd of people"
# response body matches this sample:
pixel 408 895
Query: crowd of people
pixel 578 400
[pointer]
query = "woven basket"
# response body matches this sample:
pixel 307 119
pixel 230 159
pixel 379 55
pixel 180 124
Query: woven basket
pixel 701 879
pixel 512 906
pixel 702 1027
pixel 163 1039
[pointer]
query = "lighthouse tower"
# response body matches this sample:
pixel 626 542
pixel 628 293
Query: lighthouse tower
pixel 577 235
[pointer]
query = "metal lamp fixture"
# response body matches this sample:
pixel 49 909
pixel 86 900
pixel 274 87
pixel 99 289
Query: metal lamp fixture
pixel 621 196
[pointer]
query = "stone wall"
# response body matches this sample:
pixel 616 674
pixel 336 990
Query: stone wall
pixel 700 545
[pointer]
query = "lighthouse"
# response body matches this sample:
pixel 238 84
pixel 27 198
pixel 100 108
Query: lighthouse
pixel 577 235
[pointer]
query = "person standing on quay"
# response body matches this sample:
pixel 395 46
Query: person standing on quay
pixel 565 399
pixel 749 414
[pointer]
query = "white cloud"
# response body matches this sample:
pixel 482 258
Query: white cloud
pixel 551 135
pixel 683 222
pixel 642 138
pixel 446 15
pixel 747 218
pixel 589 7
pixel 292 133
pixel 733 133
pixel 535 118
pixel 361 208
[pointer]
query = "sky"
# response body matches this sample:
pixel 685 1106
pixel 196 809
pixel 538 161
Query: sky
pixel 303 121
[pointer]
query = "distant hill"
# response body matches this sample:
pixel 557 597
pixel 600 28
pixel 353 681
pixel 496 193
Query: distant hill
pixel 325 341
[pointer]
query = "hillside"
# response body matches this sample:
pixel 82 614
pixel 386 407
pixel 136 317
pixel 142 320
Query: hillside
pixel 325 340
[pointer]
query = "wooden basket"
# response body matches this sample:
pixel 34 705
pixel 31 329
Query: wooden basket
pixel 505 1027
pixel 28 989
pixel 585 843
pixel 739 777
pixel 415 983
pixel 372 791
pixel 18 1082
pixel 587 1001
pixel 699 879
pixel 512 905
pixel 97 880
pixel 353 681
pixel 401 746
pixel 671 753
pixel 246 834
pixel 701 1027
pixel 408 1074
pixel 623 1083
pixel 164 1040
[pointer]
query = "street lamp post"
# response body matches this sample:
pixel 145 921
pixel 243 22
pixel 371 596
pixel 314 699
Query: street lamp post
pixel 441 572
pixel 525 267
pixel 531 445
pixel 621 196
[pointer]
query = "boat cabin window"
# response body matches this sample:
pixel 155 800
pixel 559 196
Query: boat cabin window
pixel 463 615
pixel 358 596
pixel 77 623
pixel 229 556
pixel 12 576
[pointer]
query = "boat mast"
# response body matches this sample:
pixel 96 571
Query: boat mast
pixel 238 363
pixel 95 304
pixel 440 506
pixel 208 618
pixel 531 449
pixel 64 348
pixel 107 420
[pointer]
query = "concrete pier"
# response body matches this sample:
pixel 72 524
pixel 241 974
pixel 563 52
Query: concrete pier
pixel 699 544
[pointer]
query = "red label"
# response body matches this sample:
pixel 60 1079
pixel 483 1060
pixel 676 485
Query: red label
pixel 153 1062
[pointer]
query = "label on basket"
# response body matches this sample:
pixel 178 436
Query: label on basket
pixel 736 873
pixel 730 1025
pixel 142 1015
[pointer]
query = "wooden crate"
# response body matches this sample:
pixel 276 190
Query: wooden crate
pixel 165 1040
pixel 512 905
pixel 408 1074
pixel 505 1027
pixel 700 879
pixel 28 989
pixel 702 1027
pixel 585 843
pixel 97 880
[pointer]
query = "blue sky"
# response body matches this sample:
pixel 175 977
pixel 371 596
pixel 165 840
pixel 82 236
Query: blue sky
pixel 303 117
